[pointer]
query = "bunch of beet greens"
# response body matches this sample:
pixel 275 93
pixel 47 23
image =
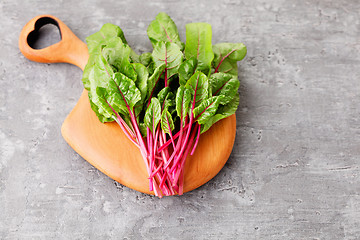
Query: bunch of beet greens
pixel 163 100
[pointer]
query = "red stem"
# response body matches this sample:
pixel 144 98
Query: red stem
pixel 166 144
pixel 197 139
pixel 182 163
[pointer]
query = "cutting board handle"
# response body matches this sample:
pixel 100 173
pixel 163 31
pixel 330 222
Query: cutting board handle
pixel 70 49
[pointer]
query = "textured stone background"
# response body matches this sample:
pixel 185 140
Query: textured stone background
pixel 294 172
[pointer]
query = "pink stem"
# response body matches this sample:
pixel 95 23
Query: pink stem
pixel 197 139
pixel 184 144
pixel 178 144
pixel 156 170
pixel 127 133
pixel 182 163
pixel 166 144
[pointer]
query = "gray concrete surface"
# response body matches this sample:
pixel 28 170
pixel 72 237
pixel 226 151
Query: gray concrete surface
pixel 294 170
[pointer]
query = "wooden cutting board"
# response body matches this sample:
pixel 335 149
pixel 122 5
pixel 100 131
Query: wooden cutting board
pixel 105 146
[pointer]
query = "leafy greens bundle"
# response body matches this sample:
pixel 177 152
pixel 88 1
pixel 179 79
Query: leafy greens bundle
pixel 163 100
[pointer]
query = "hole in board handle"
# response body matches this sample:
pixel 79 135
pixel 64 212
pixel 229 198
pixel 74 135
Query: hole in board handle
pixel 46 33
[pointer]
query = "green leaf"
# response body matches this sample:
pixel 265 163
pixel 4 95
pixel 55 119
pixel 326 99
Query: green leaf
pixel 111 88
pixel 105 107
pixel 87 74
pixel 145 59
pixel 99 76
pixel 166 98
pixel 169 54
pixel 223 84
pixel 117 79
pixel 187 69
pixel 102 118
pixel 134 57
pixel 167 123
pixel 206 109
pixel 117 54
pixel 153 114
pixel 102 104
pixel 142 128
pixel 230 108
pixel 102 73
pixel 226 56
pixel 221 113
pixel 96 42
pixel 125 89
pixel 103 114
pixel 142 79
pixel 154 79
pixel 107 32
pixel 141 84
pixel 123 93
pixel 182 101
pixel 198 85
pixel 198 44
pixel 163 29
pixel 161 96
pixel 151 68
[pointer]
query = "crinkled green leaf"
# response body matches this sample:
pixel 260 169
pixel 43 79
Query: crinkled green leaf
pixel 151 68
pixel 88 74
pixel 206 109
pixel 142 79
pixel 153 114
pixel 145 59
pixel 117 55
pixel 141 84
pixel 221 113
pixel 117 78
pixel 198 44
pixel 106 33
pixel 134 57
pixel 166 98
pixel 121 91
pixel 96 42
pixel 182 101
pixel 163 29
pixel 187 69
pixel 92 84
pixel 161 96
pixel 102 104
pixel 230 108
pixel 103 118
pixel 226 56
pixel 167 123
pixel 169 54
pixel 103 76
pixel 198 85
pixel 154 79
pixel 142 128
pixel 223 84
pixel 100 74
